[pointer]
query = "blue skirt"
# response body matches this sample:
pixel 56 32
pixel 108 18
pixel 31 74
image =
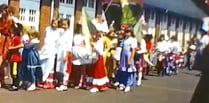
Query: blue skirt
pixel 126 78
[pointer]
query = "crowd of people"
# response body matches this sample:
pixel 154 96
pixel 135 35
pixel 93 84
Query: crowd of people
pixel 70 58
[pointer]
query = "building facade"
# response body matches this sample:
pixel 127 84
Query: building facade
pixel 163 17
pixel 29 10
pixel 172 18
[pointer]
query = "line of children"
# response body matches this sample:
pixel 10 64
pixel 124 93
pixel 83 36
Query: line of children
pixel 50 67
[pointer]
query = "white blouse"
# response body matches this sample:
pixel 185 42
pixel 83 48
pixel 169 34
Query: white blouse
pixel 49 48
pixel 65 40
pixel 162 46
pixel 81 49
pixel 132 41
pixel 101 26
pixel 99 46
pixel 142 47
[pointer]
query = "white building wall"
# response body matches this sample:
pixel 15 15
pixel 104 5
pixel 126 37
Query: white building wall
pixel 65 10
pixel 91 11
pixel 3 2
pixel 173 27
pixel 173 30
pixel 151 23
pixel 31 14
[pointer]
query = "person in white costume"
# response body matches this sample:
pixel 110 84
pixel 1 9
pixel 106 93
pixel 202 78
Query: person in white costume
pixel 162 44
pixel 162 47
pixel 174 45
pixel 64 48
pixel 80 52
pixel 47 54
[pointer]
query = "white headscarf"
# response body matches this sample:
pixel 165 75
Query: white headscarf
pixel 205 25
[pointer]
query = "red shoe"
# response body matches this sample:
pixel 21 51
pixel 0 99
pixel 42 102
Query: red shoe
pixel 51 85
pixel 40 85
pixel 46 85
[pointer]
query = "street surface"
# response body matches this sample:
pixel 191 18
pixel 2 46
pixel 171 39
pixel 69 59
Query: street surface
pixel 173 89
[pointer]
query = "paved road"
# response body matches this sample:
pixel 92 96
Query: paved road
pixel 174 89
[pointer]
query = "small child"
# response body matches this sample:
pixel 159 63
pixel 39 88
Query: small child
pixel 31 63
pixel 64 46
pixel 15 56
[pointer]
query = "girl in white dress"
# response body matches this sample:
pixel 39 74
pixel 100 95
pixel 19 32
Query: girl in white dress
pixel 47 54
pixel 64 46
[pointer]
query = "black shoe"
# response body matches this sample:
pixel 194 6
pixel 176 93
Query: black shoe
pixel 13 88
pixel 143 78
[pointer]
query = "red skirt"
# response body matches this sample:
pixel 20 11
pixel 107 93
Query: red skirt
pixel 98 69
pixel 99 74
pixel 69 64
pixel 90 70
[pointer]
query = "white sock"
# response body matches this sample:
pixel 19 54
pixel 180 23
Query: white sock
pixel 139 78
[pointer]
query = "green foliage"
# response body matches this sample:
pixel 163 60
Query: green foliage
pixel 127 16
pixel 138 31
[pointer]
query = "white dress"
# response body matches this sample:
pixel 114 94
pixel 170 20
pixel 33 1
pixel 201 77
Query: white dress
pixel 64 45
pixel 48 51
pixel 80 50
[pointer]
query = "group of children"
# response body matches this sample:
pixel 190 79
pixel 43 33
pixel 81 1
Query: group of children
pixel 22 54
pixel 69 58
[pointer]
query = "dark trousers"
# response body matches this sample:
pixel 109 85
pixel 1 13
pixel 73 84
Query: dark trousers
pixel 159 68
pixel 188 61
pixel 14 66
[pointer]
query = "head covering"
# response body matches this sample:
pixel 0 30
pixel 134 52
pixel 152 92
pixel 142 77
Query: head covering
pixel 205 25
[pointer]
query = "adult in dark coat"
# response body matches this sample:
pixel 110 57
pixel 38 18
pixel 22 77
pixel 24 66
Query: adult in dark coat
pixel 201 93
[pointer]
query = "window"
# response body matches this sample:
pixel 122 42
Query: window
pixel 66 1
pixel 173 20
pixel 22 14
pixel 68 16
pixel 62 1
pixel 164 17
pixel 61 15
pixel 32 27
pixel 152 15
pixel 91 3
pixel 32 15
pixel 181 22
pixel 85 3
pixel 69 1
pixel 188 24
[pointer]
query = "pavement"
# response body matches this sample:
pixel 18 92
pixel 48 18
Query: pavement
pixel 173 89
